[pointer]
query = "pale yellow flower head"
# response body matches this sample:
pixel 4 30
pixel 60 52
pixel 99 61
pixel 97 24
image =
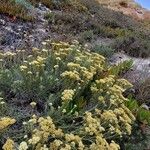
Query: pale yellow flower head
pixel 33 104
pixel 67 95
pixel 5 122
pixel 23 146
pixel 9 145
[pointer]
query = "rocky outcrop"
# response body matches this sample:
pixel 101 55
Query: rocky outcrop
pixel 18 34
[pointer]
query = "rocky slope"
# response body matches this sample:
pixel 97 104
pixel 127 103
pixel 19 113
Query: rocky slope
pixel 139 71
pixel 18 34
pixel 102 26
pixel 128 7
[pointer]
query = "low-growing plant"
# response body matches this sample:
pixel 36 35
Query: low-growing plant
pixel 143 91
pixel 121 68
pixel 75 102
pixel 141 112
pixel 13 9
pixel 138 46
pixel 103 50
pixel 50 17
pixel 87 36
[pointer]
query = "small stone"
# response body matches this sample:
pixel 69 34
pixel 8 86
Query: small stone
pixel 2 22
pixel 145 106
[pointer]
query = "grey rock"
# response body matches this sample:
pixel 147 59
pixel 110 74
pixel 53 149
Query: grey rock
pixel 140 70
pixel 2 22
pixel 145 106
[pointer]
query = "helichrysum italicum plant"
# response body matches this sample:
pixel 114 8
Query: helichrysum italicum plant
pixel 82 100
pixel 5 122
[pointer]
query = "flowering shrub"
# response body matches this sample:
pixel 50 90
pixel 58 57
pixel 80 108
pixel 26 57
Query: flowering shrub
pixel 5 122
pixel 83 105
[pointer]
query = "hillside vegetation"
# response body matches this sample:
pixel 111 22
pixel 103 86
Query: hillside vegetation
pixel 62 97
pixel 65 94
pixel 88 20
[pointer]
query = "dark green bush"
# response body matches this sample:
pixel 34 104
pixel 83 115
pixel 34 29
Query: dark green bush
pixel 135 45
pixel 86 36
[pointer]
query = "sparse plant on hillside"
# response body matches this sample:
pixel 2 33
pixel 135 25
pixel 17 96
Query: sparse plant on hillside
pixel 86 36
pixel 103 50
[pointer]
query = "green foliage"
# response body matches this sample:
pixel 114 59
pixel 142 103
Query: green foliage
pixel 50 17
pixel 72 87
pixel 86 36
pixel 121 68
pixel 141 133
pixel 139 139
pixel 141 113
pixel 137 43
pixel 18 10
pixel 103 50
pixel 24 3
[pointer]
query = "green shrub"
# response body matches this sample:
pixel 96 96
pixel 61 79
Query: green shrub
pixel 142 114
pixel 87 36
pixel 50 17
pixel 137 43
pixel 103 50
pixel 12 8
pixel 84 102
pixel 121 68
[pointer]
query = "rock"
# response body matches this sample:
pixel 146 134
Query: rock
pixel 19 34
pixel 140 70
pixel 9 28
pixel 2 22
pixel 145 106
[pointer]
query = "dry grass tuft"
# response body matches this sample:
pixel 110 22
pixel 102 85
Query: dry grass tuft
pixel 12 9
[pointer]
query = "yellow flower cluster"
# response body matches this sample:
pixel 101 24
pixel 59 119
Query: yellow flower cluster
pixel 86 75
pixel 5 122
pixel 9 145
pixel 38 62
pixel 33 64
pixel 33 104
pixel 22 67
pixel 72 75
pixel 73 66
pixel 9 54
pixel 46 129
pixel 7 58
pixel 93 125
pixel 67 95
pixel 123 83
pixel 79 72
pixel 101 144
pixel 77 68
pixel 115 115
pixel 94 128
pixel 74 139
pixel 60 45
pixel 23 146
